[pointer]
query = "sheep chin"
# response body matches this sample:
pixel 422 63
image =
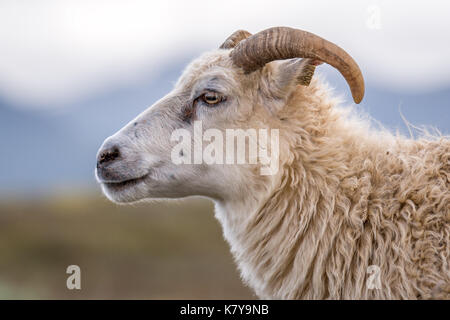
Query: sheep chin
pixel 125 191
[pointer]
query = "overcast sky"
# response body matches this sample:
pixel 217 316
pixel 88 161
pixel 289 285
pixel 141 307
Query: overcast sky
pixel 55 52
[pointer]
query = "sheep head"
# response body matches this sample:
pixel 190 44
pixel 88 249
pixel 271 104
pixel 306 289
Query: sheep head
pixel 242 86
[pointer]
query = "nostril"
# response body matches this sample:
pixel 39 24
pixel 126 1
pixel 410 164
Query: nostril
pixel 109 155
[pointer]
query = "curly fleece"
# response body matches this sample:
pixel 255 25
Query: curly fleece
pixel 346 198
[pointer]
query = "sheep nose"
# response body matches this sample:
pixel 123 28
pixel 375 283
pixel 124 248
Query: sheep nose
pixel 107 156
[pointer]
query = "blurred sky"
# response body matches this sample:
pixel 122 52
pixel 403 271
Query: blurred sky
pixel 73 72
pixel 55 50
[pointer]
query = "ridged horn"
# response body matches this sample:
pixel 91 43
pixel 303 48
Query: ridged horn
pixel 234 39
pixel 286 43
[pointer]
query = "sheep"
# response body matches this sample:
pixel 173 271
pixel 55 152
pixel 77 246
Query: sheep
pixel 351 213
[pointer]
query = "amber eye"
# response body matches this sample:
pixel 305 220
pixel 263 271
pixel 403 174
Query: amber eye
pixel 212 97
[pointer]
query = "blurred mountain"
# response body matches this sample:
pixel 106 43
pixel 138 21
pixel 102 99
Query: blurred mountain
pixel 43 150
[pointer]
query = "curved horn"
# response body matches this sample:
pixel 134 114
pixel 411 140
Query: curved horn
pixel 286 43
pixel 234 39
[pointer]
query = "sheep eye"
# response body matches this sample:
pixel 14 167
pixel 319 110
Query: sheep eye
pixel 212 98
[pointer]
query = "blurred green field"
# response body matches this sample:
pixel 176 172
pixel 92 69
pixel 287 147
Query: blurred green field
pixel 172 250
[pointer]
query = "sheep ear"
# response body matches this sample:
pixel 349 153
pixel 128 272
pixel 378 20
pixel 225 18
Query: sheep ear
pixel 293 72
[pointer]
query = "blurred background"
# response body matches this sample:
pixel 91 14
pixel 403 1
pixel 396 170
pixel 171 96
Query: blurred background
pixel 74 72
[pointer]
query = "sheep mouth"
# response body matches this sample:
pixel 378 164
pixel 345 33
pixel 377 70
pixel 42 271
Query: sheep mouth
pixel 124 184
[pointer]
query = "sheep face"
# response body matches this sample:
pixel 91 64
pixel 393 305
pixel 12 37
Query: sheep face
pixel 138 161
pixel 237 91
